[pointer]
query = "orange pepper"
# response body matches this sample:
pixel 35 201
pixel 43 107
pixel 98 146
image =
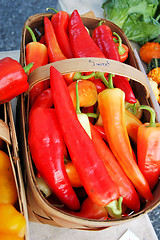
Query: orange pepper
pixel 7 181
pixel 11 221
pixel 112 109
pixel 87 93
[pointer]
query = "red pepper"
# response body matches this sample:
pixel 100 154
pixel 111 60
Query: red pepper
pixel 92 172
pixel 148 149
pixel 112 110
pixel 91 210
pixel 46 146
pixel 60 22
pixel 54 51
pixel 126 188
pixel 122 49
pixel 36 52
pixel 81 43
pixel 13 79
pixel 44 100
pixel 102 36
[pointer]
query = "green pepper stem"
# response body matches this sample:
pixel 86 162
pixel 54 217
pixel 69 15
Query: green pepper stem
pixel 114 208
pixel 52 9
pixel 78 76
pixel 102 77
pixel 93 115
pixel 110 81
pixel 121 49
pixel 100 23
pixel 77 99
pixel 152 113
pixel 28 67
pixel 32 34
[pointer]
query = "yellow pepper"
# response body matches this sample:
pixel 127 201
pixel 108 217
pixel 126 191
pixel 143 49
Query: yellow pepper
pixel 7 181
pixel 11 221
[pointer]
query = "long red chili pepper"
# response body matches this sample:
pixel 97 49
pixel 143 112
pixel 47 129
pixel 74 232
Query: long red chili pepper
pixel 92 172
pixel 46 146
pixel 102 36
pixel 126 188
pixel 112 110
pixel 148 149
pixel 54 51
pixel 60 22
pixel 37 53
pixel 13 79
pixel 81 43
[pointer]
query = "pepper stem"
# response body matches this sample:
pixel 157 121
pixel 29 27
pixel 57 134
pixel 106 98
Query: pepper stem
pixel 52 9
pixel 92 115
pixel 78 76
pixel 114 208
pixel 28 67
pixel 152 113
pixel 121 49
pixel 32 34
pixel 102 77
pixel 77 99
pixel 110 81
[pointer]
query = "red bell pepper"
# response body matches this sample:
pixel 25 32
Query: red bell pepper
pixel 54 51
pixel 36 52
pixel 13 79
pixel 46 146
pixel 112 110
pixel 102 36
pixel 60 22
pixel 92 172
pixel 126 188
pixel 81 42
pixel 148 149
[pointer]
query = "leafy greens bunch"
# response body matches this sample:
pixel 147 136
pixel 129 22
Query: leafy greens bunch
pixel 139 19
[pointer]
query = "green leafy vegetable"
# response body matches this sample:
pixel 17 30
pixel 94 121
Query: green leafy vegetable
pixel 139 19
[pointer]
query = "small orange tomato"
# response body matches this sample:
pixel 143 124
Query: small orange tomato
pixel 72 174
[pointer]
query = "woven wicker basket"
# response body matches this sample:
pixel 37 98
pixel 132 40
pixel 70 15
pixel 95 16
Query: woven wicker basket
pixel 8 135
pixel 39 208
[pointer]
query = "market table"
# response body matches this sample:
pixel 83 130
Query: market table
pixel 141 227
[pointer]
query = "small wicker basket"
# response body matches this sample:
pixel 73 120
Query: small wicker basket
pixel 8 135
pixel 40 209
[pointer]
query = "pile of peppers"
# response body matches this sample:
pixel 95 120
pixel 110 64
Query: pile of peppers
pixel 94 156
pixel 12 222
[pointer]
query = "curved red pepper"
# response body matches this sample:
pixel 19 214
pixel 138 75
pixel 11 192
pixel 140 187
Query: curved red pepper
pixel 92 172
pixel 102 36
pixel 46 146
pixel 148 149
pixel 81 43
pixel 60 22
pixel 13 79
pixel 126 189
pixel 36 52
pixel 54 51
